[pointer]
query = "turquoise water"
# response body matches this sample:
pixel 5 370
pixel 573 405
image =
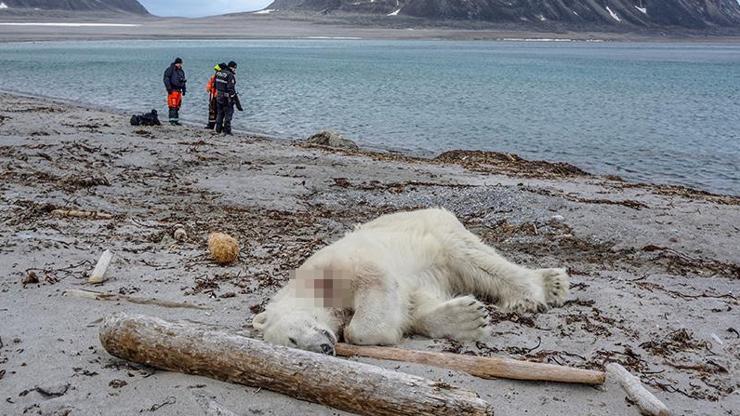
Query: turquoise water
pixel 666 113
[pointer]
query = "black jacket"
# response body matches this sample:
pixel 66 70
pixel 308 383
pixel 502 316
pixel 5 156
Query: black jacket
pixel 174 79
pixel 226 82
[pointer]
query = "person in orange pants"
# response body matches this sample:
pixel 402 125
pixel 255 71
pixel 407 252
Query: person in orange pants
pixel 175 82
pixel 212 95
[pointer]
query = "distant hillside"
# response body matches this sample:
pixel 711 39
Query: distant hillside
pixel 100 6
pixel 695 14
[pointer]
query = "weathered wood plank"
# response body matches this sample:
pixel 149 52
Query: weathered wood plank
pixel 483 367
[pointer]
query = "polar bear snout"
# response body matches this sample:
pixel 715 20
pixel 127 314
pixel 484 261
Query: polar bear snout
pixel 314 339
pixel 328 349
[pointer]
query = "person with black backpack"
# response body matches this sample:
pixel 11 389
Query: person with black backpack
pixel 226 97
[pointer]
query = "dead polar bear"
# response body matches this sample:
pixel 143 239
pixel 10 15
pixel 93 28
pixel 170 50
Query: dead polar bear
pixel 408 273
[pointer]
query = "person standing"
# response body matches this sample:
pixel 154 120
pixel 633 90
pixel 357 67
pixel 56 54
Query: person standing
pixel 212 95
pixel 225 98
pixel 175 82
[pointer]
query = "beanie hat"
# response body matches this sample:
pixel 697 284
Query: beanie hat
pixel 232 64
pixel 178 60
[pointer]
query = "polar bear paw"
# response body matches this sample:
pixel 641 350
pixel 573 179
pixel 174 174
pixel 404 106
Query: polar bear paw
pixel 463 318
pixel 556 283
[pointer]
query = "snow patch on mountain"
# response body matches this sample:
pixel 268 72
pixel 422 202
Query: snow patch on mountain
pixel 614 15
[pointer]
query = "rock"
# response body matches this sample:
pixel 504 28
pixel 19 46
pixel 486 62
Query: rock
pixel 31 278
pixel 55 390
pixel 332 139
pixel 180 234
pixel 557 218
pixel 117 384
pixel 342 182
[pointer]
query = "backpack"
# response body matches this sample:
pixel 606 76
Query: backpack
pixel 147 119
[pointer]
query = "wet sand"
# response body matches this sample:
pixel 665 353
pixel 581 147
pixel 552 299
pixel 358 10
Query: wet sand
pixel 655 270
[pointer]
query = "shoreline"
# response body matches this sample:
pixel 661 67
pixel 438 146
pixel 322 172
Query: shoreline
pixel 241 27
pixel 407 154
pixel 653 270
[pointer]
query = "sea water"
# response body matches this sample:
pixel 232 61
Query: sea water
pixel 656 112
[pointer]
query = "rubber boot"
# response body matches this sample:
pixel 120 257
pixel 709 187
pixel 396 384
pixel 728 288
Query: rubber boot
pixel 174 117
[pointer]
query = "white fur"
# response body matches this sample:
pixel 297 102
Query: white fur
pixel 412 273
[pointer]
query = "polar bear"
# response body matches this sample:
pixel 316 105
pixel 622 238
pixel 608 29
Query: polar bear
pixel 415 272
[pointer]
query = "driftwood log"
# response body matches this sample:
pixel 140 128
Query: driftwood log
pixel 648 404
pixel 98 274
pixel 483 367
pixel 345 385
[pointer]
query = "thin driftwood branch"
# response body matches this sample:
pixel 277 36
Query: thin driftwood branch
pixel 646 401
pixel 82 214
pixel 484 367
pixel 342 384
pixel 91 294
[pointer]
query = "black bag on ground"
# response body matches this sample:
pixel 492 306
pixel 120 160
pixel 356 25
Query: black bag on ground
pixel 146 119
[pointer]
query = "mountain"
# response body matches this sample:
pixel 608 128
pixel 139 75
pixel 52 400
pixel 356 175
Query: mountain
pixel 695 14
pixel 98 6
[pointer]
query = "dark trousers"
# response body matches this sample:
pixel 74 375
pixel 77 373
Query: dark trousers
pixel 225 111
pixel 212 112
pixel 174 115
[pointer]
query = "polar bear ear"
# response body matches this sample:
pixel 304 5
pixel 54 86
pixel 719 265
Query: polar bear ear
pixel 260 321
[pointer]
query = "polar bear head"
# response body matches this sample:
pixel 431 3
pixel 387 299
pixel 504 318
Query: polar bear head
pixel 305 330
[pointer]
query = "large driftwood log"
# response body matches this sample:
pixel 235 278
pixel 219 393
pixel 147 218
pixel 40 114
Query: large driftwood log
pixel 342 384
pixel 484 367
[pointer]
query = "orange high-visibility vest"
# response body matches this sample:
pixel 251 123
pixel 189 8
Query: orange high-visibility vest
pixel 211 86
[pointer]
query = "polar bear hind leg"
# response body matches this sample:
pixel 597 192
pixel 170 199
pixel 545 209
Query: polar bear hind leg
pixel 486 273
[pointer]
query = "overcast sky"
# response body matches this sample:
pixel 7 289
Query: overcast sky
pixel 197 8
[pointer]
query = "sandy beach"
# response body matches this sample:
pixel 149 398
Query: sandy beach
pixel 655 269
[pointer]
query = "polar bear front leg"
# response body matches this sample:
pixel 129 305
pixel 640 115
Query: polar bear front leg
pixel 463 318
pixel 380 315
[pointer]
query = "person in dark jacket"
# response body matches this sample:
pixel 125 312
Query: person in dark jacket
pixel 225 97
pixel 175 82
